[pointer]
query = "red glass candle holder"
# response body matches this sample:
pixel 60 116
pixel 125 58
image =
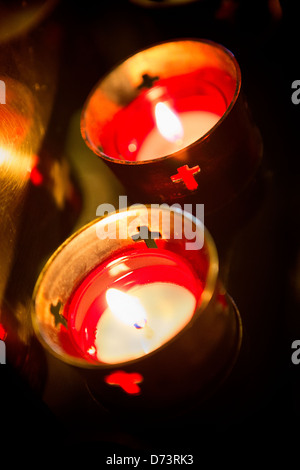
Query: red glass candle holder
pixel 182 343
pixel 172 123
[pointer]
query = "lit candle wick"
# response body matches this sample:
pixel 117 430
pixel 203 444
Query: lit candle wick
pixel 127 308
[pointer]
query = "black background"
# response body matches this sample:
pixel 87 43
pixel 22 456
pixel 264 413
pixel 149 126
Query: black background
pixel 258 409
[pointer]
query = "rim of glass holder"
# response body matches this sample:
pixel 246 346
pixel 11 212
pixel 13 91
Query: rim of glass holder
pixel 98 151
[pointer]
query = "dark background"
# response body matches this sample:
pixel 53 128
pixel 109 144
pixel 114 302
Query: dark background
pixel 258 408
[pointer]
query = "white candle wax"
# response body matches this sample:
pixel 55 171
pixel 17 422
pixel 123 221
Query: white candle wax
pixel 195 124
pixel 169 308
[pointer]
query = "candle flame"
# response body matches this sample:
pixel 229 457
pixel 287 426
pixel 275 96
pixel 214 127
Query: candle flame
pixel 126 308
pixel 168 123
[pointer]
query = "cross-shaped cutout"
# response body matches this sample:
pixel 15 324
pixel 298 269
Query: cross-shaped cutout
pixel 145 234
pixel 147 81
pixel 127 381
pixel 58 318
pixel 186 175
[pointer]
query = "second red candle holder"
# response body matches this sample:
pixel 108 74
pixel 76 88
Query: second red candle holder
pixel 173 125
pixel 144 317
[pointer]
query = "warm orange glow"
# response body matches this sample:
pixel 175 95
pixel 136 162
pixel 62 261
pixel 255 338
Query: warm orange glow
pixel 13 161
pixel 126 308
pixel 5 155
pixel 168 123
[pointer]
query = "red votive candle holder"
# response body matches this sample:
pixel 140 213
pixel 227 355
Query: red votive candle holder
pixel 172 124
pixel 138 310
